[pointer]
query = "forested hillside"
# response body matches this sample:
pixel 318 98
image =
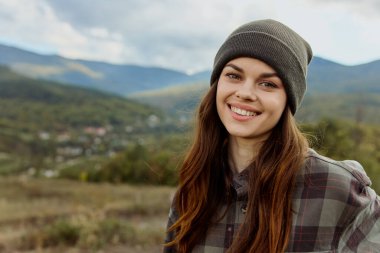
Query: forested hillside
pixel 44 123
pixel 30 103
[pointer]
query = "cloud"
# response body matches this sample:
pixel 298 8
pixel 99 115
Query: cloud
pixel 338 30
pixel 169 33
pixel 183 35
pixel 363 7
pixel 35 23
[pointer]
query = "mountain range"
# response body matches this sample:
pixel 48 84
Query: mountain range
pixel 324 76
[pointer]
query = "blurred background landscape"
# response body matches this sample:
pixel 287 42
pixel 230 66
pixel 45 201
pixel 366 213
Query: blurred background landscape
pixel 91 168
pixel 90 146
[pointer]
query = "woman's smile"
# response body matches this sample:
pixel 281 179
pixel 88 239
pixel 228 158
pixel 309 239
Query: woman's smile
pixel 242 113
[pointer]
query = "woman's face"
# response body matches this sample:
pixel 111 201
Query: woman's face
pixel 250 98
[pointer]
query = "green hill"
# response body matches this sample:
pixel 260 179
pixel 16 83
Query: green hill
pixel 358 107
pixel 178 100
pixel 33 105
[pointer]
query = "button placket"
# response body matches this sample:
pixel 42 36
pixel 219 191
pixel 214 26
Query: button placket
pixel 244 208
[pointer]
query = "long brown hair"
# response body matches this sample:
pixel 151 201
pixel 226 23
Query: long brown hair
pixel 204 175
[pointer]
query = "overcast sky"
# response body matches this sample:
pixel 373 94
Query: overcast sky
pixel 183 34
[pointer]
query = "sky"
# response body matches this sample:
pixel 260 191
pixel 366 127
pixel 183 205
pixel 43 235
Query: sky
pixel 183 35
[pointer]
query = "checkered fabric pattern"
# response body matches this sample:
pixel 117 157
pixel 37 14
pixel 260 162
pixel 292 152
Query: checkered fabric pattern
pixel 335 210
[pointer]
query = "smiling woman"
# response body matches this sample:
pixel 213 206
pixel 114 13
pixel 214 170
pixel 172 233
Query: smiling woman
pixel 250 182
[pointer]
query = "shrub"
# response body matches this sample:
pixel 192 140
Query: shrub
pixel 59 233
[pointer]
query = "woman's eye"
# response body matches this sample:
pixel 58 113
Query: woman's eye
pixel 268 85
pixel 233 76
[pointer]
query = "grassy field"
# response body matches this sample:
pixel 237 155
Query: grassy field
pixel 48 215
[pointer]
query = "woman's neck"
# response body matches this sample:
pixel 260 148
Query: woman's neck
pixel 241 153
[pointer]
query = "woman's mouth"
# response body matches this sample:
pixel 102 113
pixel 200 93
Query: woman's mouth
pixel 243 112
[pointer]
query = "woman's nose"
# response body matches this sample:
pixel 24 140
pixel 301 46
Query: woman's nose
pixel 246 91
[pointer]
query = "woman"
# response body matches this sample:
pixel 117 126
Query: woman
pixel 249 182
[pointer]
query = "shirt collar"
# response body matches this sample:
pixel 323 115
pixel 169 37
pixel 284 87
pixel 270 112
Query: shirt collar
pixel 240 184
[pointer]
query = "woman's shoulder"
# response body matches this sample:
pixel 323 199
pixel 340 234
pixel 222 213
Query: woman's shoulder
pixel 338 183
pixel 333 202
pixel 317 165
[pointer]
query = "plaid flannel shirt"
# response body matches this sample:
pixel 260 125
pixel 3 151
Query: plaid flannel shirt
pixel 335 210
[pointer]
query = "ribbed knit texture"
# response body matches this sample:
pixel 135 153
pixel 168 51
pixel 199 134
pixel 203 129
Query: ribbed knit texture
pixel 275 44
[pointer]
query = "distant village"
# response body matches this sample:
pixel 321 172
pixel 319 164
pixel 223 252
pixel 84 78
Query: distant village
pixel 94 140
pixel 103 141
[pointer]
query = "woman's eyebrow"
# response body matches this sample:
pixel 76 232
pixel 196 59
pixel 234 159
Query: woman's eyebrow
pixel 263 75
pixel 234 67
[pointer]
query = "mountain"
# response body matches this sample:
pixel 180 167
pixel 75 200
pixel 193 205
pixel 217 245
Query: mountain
pixel 118 79
pixel 329 77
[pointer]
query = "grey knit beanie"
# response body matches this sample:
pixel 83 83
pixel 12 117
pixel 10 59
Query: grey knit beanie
pixel 275 44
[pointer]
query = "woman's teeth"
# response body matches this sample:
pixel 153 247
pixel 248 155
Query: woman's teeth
pixel 242 111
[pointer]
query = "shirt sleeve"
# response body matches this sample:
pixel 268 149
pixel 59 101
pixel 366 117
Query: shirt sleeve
pixel 173 216
pixel 363 234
